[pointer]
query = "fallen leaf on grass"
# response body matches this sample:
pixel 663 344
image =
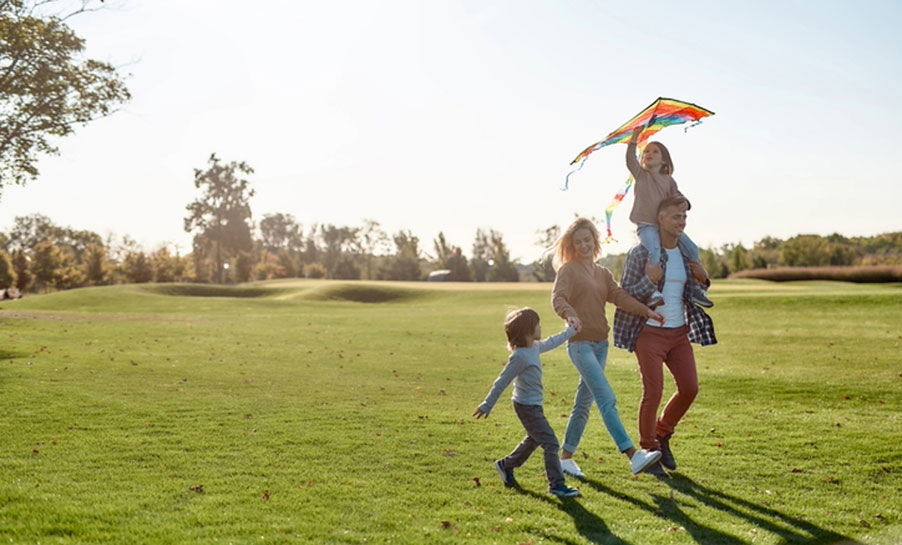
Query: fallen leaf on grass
pixel 864 523
pixel 265 495
pixel 797 470
pixel 449 453
pixel 35 452
pixel 477 481
pixel 199 488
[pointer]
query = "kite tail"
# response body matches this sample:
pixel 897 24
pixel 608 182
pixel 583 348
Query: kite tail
pixel 575 170
pixel 689 126
pixel 609 211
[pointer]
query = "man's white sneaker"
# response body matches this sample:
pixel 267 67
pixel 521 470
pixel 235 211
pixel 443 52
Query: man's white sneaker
pixel 642 459
pixel 570 468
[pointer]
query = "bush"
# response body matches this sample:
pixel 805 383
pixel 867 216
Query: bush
pixel 315 270
pixel 866 274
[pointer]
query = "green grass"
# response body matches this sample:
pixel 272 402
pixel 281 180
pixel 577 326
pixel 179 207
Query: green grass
pixel 329 412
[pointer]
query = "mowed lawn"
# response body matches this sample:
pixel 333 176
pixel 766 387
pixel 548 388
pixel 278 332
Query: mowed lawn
pixel 330 412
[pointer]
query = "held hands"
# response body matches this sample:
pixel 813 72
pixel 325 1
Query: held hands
pixel 575 323
pixel 479 414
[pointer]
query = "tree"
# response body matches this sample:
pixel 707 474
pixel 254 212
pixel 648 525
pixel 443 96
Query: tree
pixel 221 216
pixel 137 268
pixel 371 239
pixel 479 262
pixel 503 269
pixel 22 266
pixel 96 265
pixel 47 87
pixel 451 258
pixel 405 264
pixel 542 268
pixel 7 271
pixel 738 258
pixel 281 232
pixel 336 242
pixel 47 264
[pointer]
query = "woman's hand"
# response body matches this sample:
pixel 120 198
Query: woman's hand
pixel 575 323
pixel 656 316
pixel 479 414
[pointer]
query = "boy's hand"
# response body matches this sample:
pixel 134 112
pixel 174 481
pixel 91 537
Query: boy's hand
pixel 656 316
pixel 698 271
pixel 479 414
pixel 654 272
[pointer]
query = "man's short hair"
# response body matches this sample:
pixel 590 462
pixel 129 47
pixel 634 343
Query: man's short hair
pixel 673 200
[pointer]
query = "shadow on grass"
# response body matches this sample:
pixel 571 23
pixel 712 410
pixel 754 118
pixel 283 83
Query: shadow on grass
pixel 790 529
pixel 588 524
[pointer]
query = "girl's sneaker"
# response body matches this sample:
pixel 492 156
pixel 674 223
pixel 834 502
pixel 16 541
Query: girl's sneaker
pixel 700 296
pixel 642 459
pixel 655 300
pixel 564 491
pixel 570 468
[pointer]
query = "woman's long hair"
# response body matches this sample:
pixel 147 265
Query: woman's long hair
pixel 565 251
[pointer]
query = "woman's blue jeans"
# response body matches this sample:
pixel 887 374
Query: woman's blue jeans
pixel 590 359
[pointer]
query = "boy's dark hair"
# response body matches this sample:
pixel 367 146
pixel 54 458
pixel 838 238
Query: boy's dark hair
pixel 518 324
pixel 673 200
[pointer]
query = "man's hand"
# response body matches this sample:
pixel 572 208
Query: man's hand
pixel 479 414
pixel 654 272
pixel 656 316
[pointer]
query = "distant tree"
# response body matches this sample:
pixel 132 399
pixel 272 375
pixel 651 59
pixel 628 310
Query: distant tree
pixel 713 263
pixel 47 87
pixel 268 267
pixel 281 232
pixel 221 217
pixel 22 266
pixel 503 269
pixel 542 269
pixel 336 242
pixel 48 262
pixel 482 253
pixel 7 271
pixel 96 265
pixel 315 270
pixel 346 269
pixel 137 268
pixel 738 258
pixel 372 240
pixel 405 264
pixel 5 242
pixel 242 267
pixel 166 267
pixel 452 259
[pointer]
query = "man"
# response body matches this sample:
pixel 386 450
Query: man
pixel 655 344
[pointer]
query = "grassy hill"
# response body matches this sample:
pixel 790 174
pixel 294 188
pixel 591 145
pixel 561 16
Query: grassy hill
pixel 336 412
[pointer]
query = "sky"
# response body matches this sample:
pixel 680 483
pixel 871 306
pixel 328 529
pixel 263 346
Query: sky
pixel 449 116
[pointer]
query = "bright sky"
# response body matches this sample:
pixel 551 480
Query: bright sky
pixel 440 115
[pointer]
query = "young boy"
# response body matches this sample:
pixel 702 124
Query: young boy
pixel 525 370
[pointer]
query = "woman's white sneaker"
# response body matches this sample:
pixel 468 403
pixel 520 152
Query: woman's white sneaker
pixel 570 468
pixel 642 459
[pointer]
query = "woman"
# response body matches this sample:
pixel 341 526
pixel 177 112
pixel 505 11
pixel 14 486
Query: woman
pixel 580 291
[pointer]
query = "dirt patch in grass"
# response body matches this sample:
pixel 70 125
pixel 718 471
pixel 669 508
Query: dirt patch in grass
pixel 207 290
pixel 363 294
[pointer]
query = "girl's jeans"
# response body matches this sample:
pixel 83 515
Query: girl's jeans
pixel 648 236
pixel 590 358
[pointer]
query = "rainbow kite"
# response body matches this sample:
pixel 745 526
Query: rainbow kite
pixel 661 113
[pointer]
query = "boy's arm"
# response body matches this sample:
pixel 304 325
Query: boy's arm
pixel 556 340
pixel 515 366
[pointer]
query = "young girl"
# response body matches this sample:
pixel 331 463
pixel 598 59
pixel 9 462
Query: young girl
pixel 524 369
pixel 654 183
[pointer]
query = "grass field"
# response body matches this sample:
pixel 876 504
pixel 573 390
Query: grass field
pixel 326 412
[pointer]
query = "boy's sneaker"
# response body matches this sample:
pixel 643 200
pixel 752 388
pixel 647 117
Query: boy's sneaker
pixel 656 471
pixel 642 459
pixel 570 468
pixel 667 459
pixel 655 300
pixel 507 475
pixel 564 491
pixel 700 296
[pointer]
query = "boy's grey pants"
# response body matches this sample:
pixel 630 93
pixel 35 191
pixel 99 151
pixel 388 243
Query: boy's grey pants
pixel 538 434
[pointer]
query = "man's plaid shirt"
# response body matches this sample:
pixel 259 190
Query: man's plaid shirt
pixel 634 280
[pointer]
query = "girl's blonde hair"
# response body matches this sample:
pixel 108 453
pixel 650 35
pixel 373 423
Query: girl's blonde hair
pixel 667 167
pixel 565 251
pixel 518 325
